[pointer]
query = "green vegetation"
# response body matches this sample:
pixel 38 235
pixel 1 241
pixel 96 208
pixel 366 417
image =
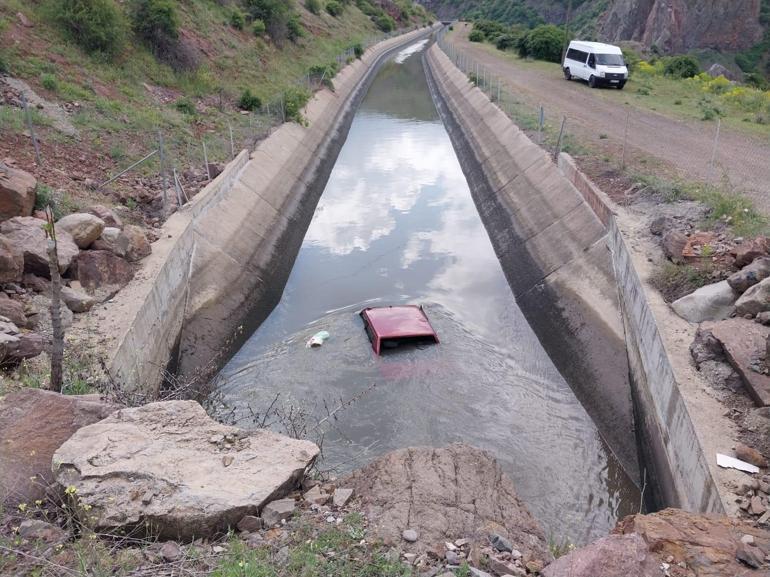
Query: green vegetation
pixel 683 66
pixel 334 8
pixel 675 281
pixel 237 19
pixel 258 27
pixel 49 82
pixel 156 23
pixel 544 42
pixel 295 100
pixel 358 50
pixel 249 101
pixel 476 36
pixel 314 6
pixel 186 106
pixel 95 25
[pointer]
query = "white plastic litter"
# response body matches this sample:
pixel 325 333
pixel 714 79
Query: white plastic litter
pixel 318 339
pixel 733 463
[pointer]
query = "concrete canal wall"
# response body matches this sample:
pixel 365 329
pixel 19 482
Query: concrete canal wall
pixel 223 259
pixel 552 247
pixel 671 448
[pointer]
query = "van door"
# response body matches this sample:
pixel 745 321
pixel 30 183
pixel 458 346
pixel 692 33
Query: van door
pixel 590 67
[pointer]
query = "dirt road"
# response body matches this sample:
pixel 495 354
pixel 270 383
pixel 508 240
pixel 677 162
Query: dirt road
pixel 597 118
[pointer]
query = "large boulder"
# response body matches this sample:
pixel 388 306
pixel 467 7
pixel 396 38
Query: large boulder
pixel 33 424
pixel 750 275
pixel 11 261
pixel 674 243
pixel 708 545
pixel 77 301
pixel 708 303
pixel 13 310
pixel 444 494
pixel 23 346
pixel 108 216
pixel 103 273
pixel 134 244
pixel 611 556
pixel 168 466
pixel 755 300
pixel 84 228
pixel 27 232
pixel 17 192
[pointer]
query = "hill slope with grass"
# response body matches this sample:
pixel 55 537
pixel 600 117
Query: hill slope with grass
pixel 106 80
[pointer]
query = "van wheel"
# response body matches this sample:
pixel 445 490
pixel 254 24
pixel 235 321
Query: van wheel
pixel 621 85
pixel 567 74
pixel 592 81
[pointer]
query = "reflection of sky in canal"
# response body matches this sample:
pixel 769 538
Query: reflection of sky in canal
pixel 397 224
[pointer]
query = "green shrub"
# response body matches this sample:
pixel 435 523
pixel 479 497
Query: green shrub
pixel 294 27
pixel 186 106
pixel 49 82
pixel 507 41
pixel 476 36
pixel 631 58
pixel 294 100
pixel 681 66
pixel 237 19
pixel 385 23
pixel 4 68
pixel 358 50
pixel 258 27
pixel 249 101
pixel 95 25
pixel 313 6
pixel 544 42
pixel 334 8
pixel 156 22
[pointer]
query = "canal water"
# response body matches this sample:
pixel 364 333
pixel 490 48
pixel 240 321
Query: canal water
pixel 396 224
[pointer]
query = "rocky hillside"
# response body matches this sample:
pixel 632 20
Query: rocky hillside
pixel 669 25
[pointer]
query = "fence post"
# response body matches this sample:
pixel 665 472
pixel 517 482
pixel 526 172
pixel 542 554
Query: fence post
pixel 625 141
pixel 232 142
pixel 716 143
pixel 162 166
pixel 206 159
pixel 31 129
pixel 540 124
pixel 498 89
pixel 561 135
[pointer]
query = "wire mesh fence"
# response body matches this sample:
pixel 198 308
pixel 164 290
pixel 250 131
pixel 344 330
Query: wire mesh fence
pixel 631 139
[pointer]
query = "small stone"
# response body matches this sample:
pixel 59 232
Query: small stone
pixel 37 530
pixel 331 519
pixel 750 455
pixel 750 555
pixel 250 524
pixel 462 542
pixel 500 543
pixel 218 549
pixel 409 535
pixel 170 551
pixel 478 572
pixel 341 497
pixel 227 460
pixel 316 496
pixel 450 546
pixel 516 554
pixel 410 557
pixel 747 539
pixel 277 511
pixel 452 558
pixel 535 566
pixel 756 507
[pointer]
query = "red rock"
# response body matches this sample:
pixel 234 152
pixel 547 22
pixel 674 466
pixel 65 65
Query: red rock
pixel 33 424
pixel 750 455
pixel 747 251
pixel 103 273
pixel 744 342
pixel 108 216
pixel 17 193
pixel 11 261
pixel 13 310
pixel 674 243
pixel 27 232
pixel 611 556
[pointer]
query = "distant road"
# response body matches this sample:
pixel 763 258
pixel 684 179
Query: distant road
pixel 686 145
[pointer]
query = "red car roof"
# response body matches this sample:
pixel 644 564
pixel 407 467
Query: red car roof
pixel 397 322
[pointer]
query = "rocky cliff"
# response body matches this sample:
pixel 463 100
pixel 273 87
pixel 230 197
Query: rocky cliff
pixel 669 25
pixel 681 25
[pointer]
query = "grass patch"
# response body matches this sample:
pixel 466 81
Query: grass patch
pixel 675 281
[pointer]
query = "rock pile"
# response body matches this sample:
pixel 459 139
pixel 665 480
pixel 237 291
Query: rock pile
pixel 95 251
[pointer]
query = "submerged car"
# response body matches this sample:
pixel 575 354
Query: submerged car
pixel 393 326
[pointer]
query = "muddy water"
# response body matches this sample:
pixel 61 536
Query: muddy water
pixel 397 224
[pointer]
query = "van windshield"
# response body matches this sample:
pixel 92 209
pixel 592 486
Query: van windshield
pixel 610 59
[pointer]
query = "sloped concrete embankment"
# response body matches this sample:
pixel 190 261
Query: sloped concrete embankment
pixel 671 448
pixel 224 258
pixel 552 247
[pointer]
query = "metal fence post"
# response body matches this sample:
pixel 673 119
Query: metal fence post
pixel 232 142
pixel 162 166
pixel 540 124
pixel 31 129
pixel 625 141
pixel 716 143
pixel 561 135
pixel 206 159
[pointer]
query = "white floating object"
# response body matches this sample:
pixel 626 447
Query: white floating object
pixel 318 339
pixel 733 463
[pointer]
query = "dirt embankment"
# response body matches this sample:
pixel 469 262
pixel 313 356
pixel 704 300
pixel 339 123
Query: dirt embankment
pixel 685 146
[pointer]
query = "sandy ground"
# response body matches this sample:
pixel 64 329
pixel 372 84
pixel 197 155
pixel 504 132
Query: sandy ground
pixel 686 145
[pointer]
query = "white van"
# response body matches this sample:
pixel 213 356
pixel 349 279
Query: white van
pixel 599 64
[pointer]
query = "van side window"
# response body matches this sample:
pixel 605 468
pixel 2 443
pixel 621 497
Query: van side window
pixel 592 61
pixel 574 54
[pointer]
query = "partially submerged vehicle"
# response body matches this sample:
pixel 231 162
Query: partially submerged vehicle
pixel 393 326
pixel 596 62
